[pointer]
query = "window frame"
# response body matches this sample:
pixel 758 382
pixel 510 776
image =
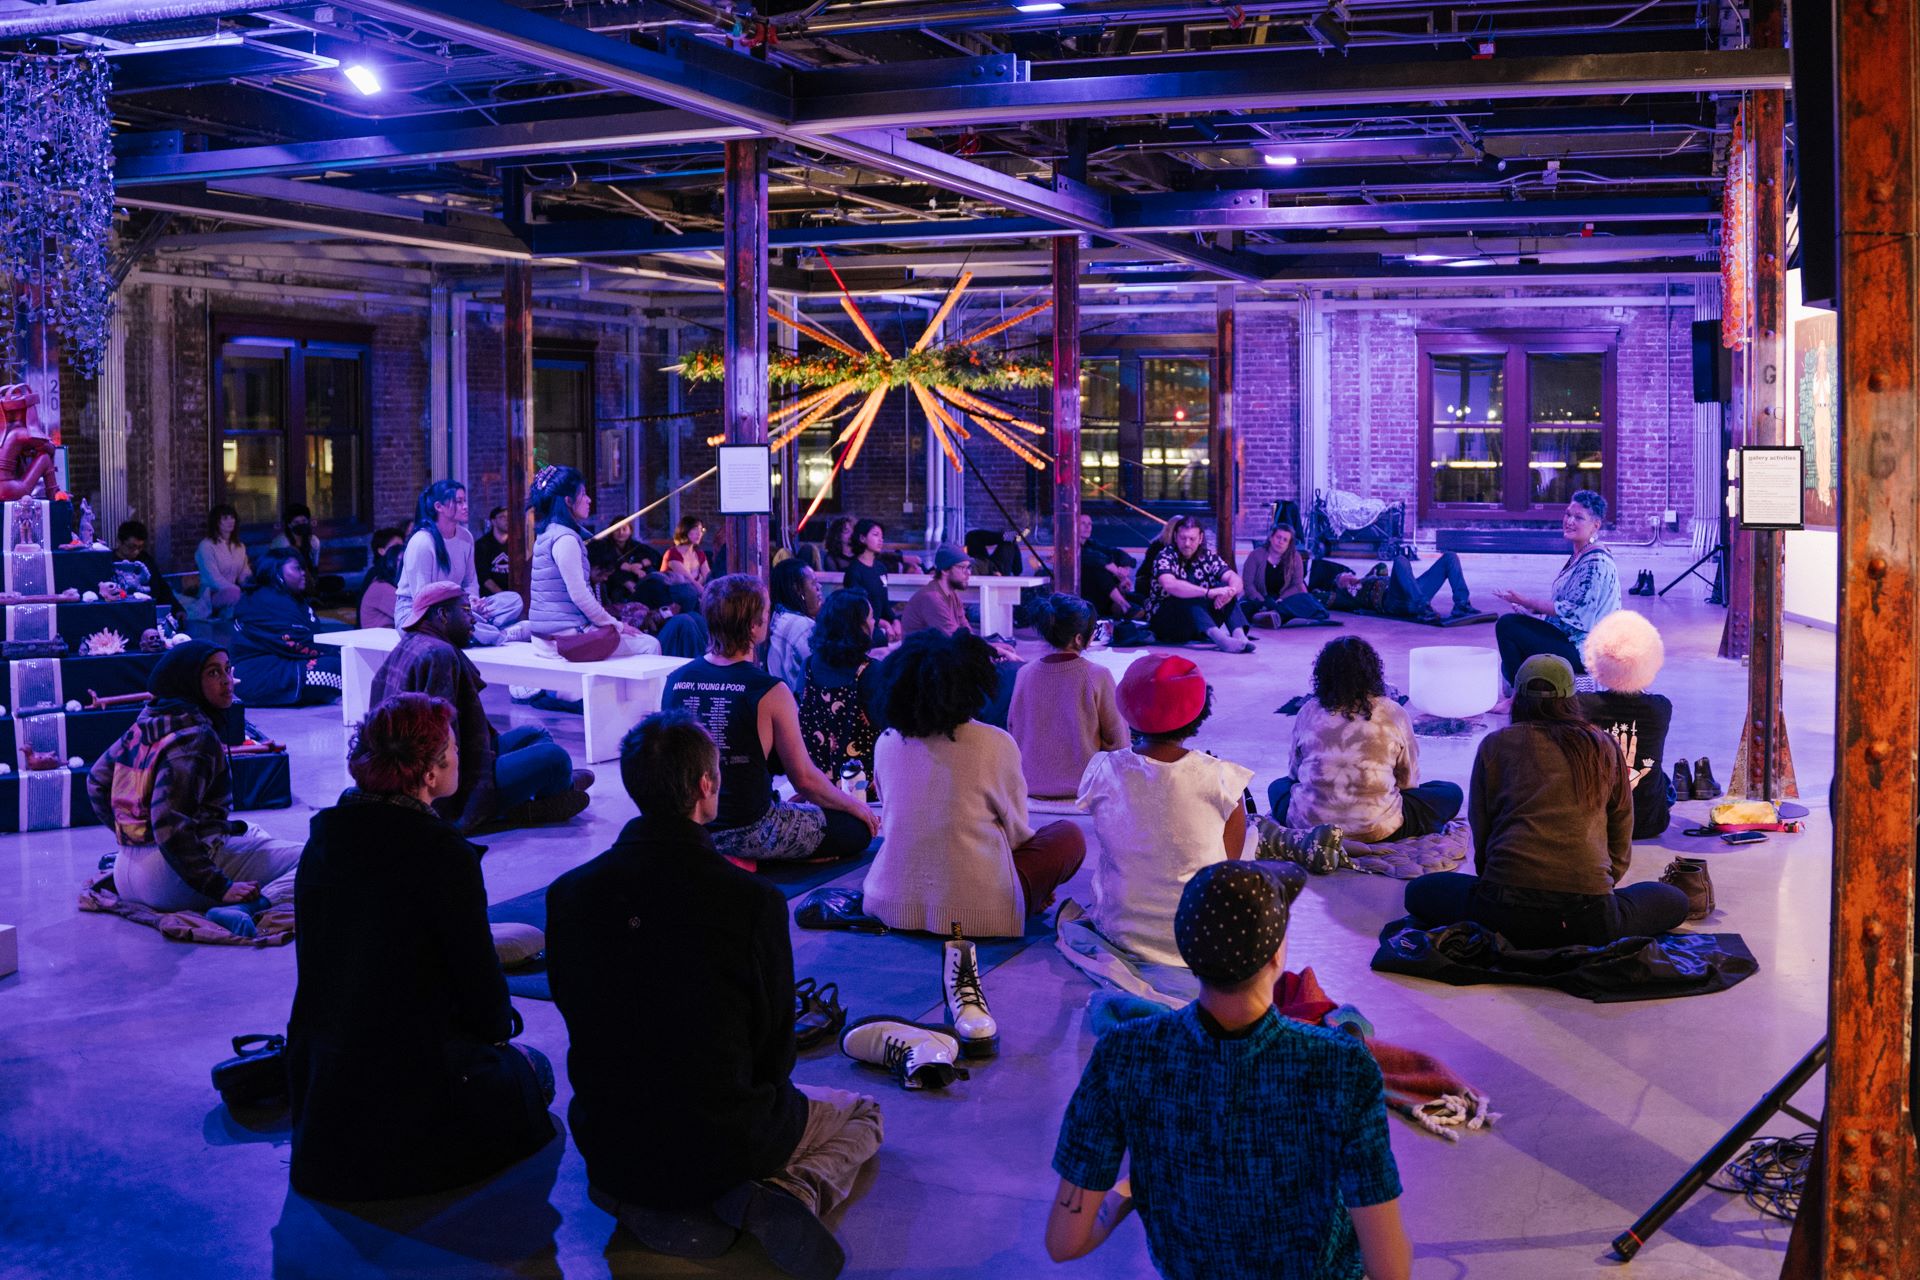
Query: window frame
pixel 1132 351
pixel 557 353
pixel 297 338
pixel 1515 345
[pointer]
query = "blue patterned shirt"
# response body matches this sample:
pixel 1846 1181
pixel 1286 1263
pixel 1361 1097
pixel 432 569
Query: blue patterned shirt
pixel 1246 1151
pixel 1586 590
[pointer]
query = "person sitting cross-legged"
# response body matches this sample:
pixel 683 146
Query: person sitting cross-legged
pixel 1624 651
pixel 1552 824
pixel 674 971
pixel 1356 763
pixel 1274 577
pixel 404 1077
pixel 753 717
pixel 519 778
pixel 1195 594
pixel 1257 1146
pixel 165 789
pixel 274 625
pixel 1063 709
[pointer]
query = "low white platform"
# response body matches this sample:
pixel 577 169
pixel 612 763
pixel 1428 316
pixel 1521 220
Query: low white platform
pixel 996 596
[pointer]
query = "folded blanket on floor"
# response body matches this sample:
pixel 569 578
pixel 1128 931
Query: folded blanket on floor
pixel 274 925
pixel 1407 859
pixel 1674 964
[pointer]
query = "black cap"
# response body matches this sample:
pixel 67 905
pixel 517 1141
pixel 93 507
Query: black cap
pixel 1232 918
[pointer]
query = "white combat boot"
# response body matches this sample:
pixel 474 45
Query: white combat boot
pixel 973 1024
pixel 918 1057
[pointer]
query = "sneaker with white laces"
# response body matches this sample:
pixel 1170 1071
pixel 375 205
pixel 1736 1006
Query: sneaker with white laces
pixel 973 1024
pixel 918 1057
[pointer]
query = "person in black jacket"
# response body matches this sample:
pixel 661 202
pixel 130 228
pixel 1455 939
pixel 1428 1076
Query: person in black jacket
pixel 274 653
pixel 404 1080
pixel 674 971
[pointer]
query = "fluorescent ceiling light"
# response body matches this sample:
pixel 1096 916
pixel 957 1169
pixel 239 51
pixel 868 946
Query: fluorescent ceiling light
pixel 213 40
pixel 1144 288
pixel 1284 159
pixel 1426 257
pixel 363 79
pixel 1049 6
pixel 1471 262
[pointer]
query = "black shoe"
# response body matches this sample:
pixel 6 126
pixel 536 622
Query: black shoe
pixel 1463 609
pixel 795 1240
pixel 1682 781
pixel 1704 787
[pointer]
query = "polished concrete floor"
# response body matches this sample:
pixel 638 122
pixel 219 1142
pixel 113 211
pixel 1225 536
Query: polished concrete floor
pixel 117 1159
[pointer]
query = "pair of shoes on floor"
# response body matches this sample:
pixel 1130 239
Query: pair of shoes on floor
pixel 1643 585
pixel 1697 783
pixel 1689 875
pixel 1269 619
pixel 559 806
pixel 1319 849
pixel 919 1056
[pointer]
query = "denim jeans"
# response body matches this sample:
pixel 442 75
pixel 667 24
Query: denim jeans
pixel 1408 593
pixel 529 764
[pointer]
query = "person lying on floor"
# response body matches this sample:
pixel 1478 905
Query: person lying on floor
pixel 1552 821
pixel 1195 594
pixel 753 717
pixel 165 790
pixel 1161 811
pixel 1355 762
pixel 274 651
pixel 658 933
pixel 1064 708
pixel 1393 590
pixel 404 1078
pixel 1586 589
pixel 956 845
pixel 518 778
pixel 1295 1175
pixel 1274 580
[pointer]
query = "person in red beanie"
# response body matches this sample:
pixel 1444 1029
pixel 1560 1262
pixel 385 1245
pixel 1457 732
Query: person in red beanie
pixel 1161 811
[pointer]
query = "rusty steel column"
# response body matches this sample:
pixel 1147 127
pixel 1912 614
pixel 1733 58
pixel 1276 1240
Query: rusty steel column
pixel 744 391
pixel 1863 1219
pixel 1066 414
pixel 516 349
pixel 1224 452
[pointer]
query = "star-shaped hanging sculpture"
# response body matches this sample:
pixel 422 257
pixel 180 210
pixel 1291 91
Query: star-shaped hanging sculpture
pixel 943 379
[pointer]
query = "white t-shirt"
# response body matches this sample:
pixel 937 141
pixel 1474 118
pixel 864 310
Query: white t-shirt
pixel 1157 824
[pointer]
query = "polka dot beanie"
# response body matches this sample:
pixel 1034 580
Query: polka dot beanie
pixel 1232 918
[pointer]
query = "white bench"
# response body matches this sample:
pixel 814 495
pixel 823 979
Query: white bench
pixel 614 693
pixel 996 596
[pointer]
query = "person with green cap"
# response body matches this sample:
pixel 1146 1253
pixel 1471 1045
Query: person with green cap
pixel 166 791
pixel 1552 819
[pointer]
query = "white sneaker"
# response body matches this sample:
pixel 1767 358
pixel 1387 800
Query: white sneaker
pixel 523 692
pixel 918 1057
pixel 973 1024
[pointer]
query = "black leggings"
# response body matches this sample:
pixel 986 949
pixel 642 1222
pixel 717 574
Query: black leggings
pixel 1537 918
pixel 1520 636
pixel 1179 619
pixel 844 837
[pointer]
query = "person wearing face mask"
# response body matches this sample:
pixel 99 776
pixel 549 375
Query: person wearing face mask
pixel 1586 590
pixel 165 789
pixel 273 646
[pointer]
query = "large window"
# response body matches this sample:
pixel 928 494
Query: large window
pixel 1146 421
pixel 290 421
pixel 563 409
pixel 1514 422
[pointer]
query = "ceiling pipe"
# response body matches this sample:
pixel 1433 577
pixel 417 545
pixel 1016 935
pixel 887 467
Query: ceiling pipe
pixel 91 15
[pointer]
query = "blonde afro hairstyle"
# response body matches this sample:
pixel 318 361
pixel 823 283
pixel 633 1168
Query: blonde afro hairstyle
pixel 1624 651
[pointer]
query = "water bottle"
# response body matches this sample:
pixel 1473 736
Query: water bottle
pixel 1102 634
pixel 853 779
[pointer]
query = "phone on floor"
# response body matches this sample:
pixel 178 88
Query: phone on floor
pixel 1744 837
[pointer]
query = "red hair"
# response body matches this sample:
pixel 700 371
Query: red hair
pixel 398 742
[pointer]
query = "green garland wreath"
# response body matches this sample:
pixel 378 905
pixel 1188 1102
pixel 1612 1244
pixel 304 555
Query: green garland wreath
pixel 948 366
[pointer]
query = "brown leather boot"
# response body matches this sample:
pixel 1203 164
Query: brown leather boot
pixel 1689 875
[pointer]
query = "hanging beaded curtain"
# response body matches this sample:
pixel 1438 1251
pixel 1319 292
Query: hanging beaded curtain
pixel 1736 240
pixel 56 203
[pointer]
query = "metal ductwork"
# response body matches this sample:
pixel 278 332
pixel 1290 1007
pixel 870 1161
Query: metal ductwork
pixel 98 15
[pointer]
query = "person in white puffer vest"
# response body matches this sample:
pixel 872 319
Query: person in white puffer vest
pixel 561 597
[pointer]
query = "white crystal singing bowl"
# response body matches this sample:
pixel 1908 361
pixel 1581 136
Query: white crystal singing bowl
pixel 1453 680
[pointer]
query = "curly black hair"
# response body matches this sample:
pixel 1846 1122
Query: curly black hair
pixel 843 631
pixel 1059 618
pixel 1347 677
pixel 937 682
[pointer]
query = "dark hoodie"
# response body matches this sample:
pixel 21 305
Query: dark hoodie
pixel 178 792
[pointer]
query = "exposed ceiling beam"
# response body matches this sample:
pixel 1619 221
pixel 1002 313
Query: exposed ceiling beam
pixel 1241 210
pixel 483 237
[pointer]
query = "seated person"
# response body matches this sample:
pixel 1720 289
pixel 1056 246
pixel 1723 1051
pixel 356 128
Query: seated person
pixel 441 550
pixel 380 590
pixel 837 549
pixel 1101 579
pixel 1552 831
pixel 1160 811
pixel 1143 580
pixel 1274 579
pixel 1356 763
pixel 492 566
pixel 1064 708
pixel 221 561
pixel 297 534
pixel 1393 590
pixel 403 1076
pixel 1296 1176
pixel 941 605
pixel 683 631
pixel 756 723
pixel 956 847
pixel 867 573
pixel 1586 589
pixel 1624 652
pixel 130 544
pixel 796 602
pixel 166 791
pixel 841 711
pixel 993 553
pixel 658 932
pixel 274 653
pixel 521 777
pixel 1195 594
pixel 619 548
pixel 562 599
pixel 685 557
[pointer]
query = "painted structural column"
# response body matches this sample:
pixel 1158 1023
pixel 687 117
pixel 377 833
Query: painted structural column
pixel 438 395
pixel 517 356
pixel 1861 1218
pixel 744 390
pixel 1764 767
pixel 1223 466
pixel 1066 414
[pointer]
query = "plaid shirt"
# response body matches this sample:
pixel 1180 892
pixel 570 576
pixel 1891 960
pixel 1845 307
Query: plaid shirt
pixel 191 802
pixel 1247 1151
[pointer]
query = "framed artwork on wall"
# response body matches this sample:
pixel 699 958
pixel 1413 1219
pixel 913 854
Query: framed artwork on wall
pixel 1816 414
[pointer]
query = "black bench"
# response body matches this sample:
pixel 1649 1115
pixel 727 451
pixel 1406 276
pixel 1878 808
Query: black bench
pixel 1519 542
